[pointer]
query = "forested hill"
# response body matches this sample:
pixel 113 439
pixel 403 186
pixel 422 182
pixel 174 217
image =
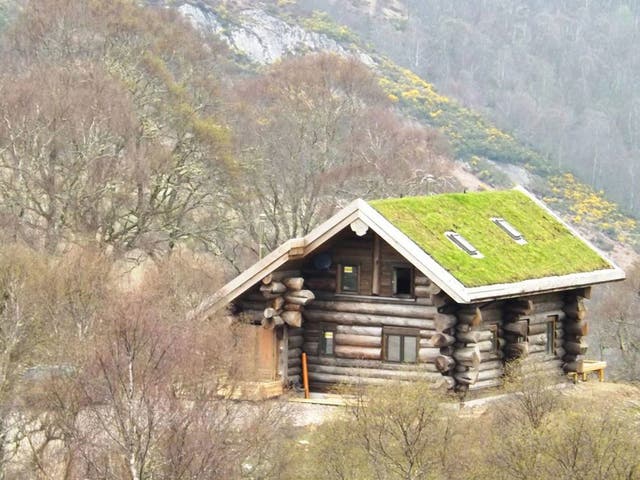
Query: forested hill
pixel 406 44
pixel 156 133
pixel 562 75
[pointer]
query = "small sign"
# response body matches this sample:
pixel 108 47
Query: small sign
pixel 348 270
pixel 328 334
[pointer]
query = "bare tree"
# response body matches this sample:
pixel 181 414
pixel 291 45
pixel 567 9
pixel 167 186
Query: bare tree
pixel 318 131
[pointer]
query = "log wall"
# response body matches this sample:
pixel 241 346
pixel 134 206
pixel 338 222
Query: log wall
pixel 358 324
pixel 466 348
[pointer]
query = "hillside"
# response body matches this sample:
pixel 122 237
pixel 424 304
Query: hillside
pixel 271 32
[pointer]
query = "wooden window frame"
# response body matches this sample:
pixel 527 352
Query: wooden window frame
pixel 495 341
pixel 550 348
pixel 400 332
pixel 322 344
pixel 524 339
pixel 394 280
pixel 339 273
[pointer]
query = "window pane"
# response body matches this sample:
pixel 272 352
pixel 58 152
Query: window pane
pixel 402 278
pixel 393 348
pixel 551 337
pixel 349 278
pixel 328 343
pixel 410 349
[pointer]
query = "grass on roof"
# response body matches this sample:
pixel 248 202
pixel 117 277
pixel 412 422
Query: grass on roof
pixel 551 249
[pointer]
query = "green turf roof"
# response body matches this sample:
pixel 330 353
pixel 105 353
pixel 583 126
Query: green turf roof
pixel 551 249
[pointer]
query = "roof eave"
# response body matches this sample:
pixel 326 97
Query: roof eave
pixel 543 285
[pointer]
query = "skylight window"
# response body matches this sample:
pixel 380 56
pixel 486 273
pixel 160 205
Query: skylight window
pixel 463 244
pixel 510 229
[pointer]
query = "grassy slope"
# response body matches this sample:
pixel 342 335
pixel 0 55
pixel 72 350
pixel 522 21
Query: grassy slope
pixel 551 248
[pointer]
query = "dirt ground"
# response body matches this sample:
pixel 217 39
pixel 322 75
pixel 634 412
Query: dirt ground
pixel 325 407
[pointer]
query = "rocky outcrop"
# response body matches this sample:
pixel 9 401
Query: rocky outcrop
pixel 262 37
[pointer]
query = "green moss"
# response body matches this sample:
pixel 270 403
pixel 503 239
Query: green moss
pixel 551 249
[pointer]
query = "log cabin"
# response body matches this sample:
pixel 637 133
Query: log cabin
pixel 444 288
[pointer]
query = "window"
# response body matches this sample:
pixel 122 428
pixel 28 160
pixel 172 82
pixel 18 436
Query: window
pixel 401 345
pixel 463 244
pixel 551 335
pixel 510 229
pixel 349 279
pixel 327 342
pixel 402 281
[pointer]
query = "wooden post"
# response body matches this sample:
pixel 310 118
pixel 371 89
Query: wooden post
pixel 305 375
pixel 375 281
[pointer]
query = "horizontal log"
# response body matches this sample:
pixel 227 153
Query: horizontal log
pixel 434 289
pixel 294 370
pixel 344 379
pixel 484 346
pixel 293 332
pixel 376 364
pixel 292 318
pixel 292 307
pixel 490 374
pixel 484 365
pixel 294 379
pixel 359 330
pixel 482 384
pixel 347 351
pixel 277 320
pixel 421 291
pixel 444 363
pixel 540 339
pixel 474 336
pixel 521 327
pixel 575 310
pixel 326 284
pixel 579 328
pixel 427 334
pixel 358 340
pixel 391 309
pixel 428 354
pixel 294 352
pixel 294 283
pixel 295 342
pixel 273 287
pixel 427 301
pixel 576 348
pixel 345 318
pixel 280 275
pixel 300 297
pixel 469 356
pixel 310 348
pixel 269 312
pixel 520 306
pixel 444 322
pixel 537 329
pixel 268 323
pixel 470 316
pixel 447 350
pixel 373 372
pixel 441 340
pixel 466 378
pixel 267 280
pixel 421 280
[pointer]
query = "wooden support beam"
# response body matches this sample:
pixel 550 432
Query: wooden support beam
pixel 375 280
